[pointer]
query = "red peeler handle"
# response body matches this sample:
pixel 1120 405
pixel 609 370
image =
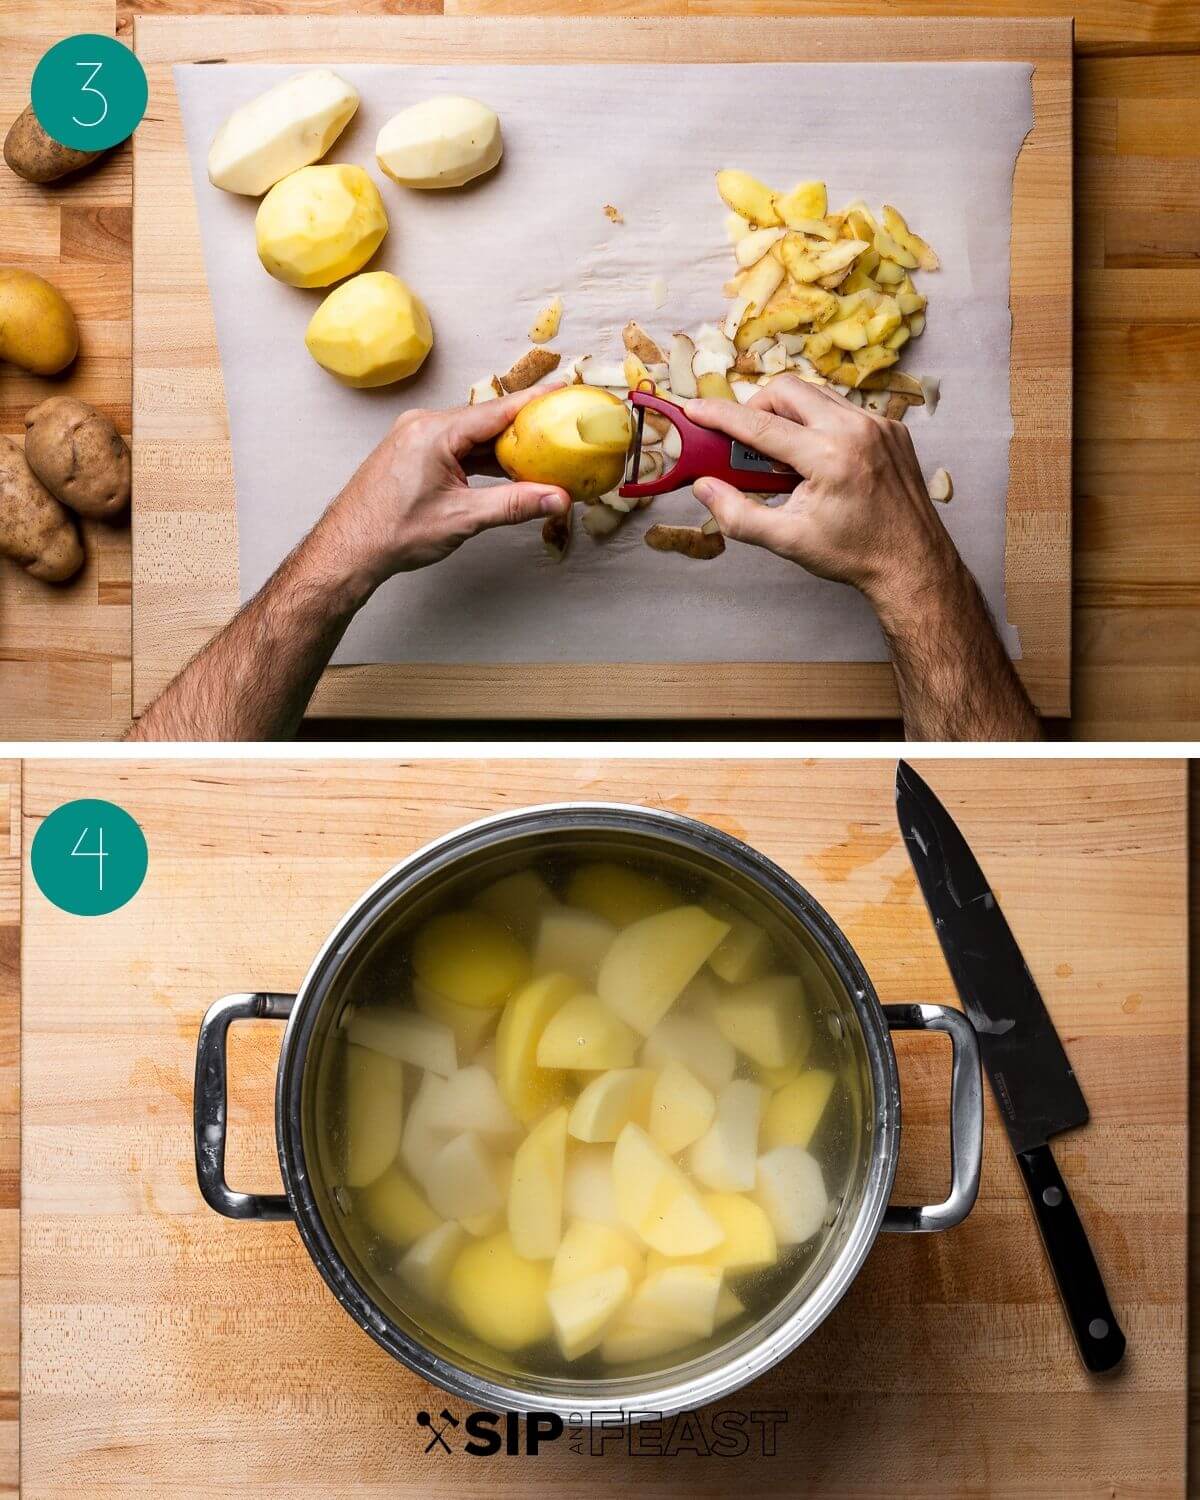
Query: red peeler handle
pixel 705 453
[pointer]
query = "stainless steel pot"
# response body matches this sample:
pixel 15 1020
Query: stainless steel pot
pixel 489 848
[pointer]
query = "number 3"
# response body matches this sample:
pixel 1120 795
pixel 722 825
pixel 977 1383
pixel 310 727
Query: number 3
pixel 88 89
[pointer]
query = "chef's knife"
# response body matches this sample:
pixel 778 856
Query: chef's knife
pixel 1030 1074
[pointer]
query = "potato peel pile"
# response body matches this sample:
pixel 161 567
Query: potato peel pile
pixel 829 297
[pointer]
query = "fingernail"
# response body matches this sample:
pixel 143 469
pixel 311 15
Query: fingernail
pixel 554 503
pixel 702 489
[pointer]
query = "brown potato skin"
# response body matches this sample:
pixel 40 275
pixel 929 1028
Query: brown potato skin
pixel 79 456
pixel 38 157
pixel 35 530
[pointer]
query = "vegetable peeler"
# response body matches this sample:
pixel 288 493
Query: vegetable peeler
pixel 703 453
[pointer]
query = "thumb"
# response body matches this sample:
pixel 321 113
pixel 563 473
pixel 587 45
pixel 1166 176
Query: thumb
pixel 740 518
pixel 510 504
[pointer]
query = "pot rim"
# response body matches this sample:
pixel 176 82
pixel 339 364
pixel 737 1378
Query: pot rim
pixel 720 1370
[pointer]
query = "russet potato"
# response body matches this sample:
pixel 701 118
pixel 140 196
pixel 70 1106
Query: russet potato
pixel 38 157
pixel 371 330
pixel 79 456
pixel 320 225
pixel 544 442
pixel 35 530
pixel 38 331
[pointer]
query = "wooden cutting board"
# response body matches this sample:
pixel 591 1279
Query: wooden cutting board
pixel 185 564
pixel 10 1123
pixel 167 1349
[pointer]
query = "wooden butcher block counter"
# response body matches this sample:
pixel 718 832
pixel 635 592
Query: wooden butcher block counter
pixel 166 1350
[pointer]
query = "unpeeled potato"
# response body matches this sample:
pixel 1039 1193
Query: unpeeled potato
pixel 37 327
pixel 79 456
pixel 35 530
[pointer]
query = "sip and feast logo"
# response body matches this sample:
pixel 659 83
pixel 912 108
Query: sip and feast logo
pixel 648 1434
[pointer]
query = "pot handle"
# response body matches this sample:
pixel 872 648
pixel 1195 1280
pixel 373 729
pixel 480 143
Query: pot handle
pixel 211 1100
pixel 966 1118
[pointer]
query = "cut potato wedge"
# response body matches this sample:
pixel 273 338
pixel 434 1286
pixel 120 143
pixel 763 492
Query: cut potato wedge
pixel 588 1192
pixel 749 1242
pixel 535 1194
pixel 744 953
pixel 572 941
pixel 678 1299
pixel 608 1103
pixel 724 1157
pixel 680 1110
pixel 795 1110
pixel 651 961
pixel 395 1207
pixel 463 1182
pixel 528 1089
pixel 374 1114
pixel 583 1309
pixel 585 1034
pixel 656 1200
pixel 426 1266
pixel 472 1101
pixel 766 1020
pixel 790 1190
pixel 589 1246
pixel 470 1024
pixel 518 900
pixel 406 1037
pixel 694 1041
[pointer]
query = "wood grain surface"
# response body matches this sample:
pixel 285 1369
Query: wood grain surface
pixel 183 471
pixel 166 1350
pixel 10 1124
pixel 64 660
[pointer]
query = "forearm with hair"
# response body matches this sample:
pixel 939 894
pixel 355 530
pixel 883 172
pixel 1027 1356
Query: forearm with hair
pixel 954 676
pixel 253 681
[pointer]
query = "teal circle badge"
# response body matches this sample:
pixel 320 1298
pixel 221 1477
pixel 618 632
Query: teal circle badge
pixel 89 92
pixel 89 857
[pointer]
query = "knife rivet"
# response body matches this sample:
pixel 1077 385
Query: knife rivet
pixel 1052 1197
pixel 1098 1328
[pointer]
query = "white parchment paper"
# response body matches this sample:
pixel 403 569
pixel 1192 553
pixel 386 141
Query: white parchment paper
pixel 938 140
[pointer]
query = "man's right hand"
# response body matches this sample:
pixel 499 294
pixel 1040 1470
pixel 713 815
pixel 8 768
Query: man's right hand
pixel 861 515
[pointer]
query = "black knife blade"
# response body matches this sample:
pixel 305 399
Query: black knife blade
pixel 1031 1076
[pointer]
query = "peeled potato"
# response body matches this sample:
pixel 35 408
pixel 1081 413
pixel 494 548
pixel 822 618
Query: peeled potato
pixel 535 1195
pixel 463 1182
pixel 500 1296
pixel 587 1247
pixel 282 130
pixel 374 1114
pixel 790 1190
pixel 651 962
pixel 795 1111
pixel 766 1020
pixel 470 958
pixel 572 942
pixel 588 1191
pixel 608 1103
pixel 584 1034
pixel 745 951
pixel 694 1041
pixel 656 1200
pixel 529 1089
pixel 681 1299
pixel 472 1101
pixel 681 1108
pixel 725 1155
pixel 320 225
pixel 427 1265
pixel 440 143
pixel 370 331
pixel 629 1341
pixel 518 900
pixel 470 1025
pixel 425 1130
pixel 749 1242
pixel 583 1309
pixel 394 1205
pixel 407 1037
pixel 617 893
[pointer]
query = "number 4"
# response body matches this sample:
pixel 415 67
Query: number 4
pixel 97 854
pixel 88 89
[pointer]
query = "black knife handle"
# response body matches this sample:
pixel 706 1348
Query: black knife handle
pixel 1097 1332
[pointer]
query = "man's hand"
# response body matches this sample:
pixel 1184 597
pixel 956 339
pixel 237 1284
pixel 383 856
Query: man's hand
pixel 408 504
pixel 862 516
